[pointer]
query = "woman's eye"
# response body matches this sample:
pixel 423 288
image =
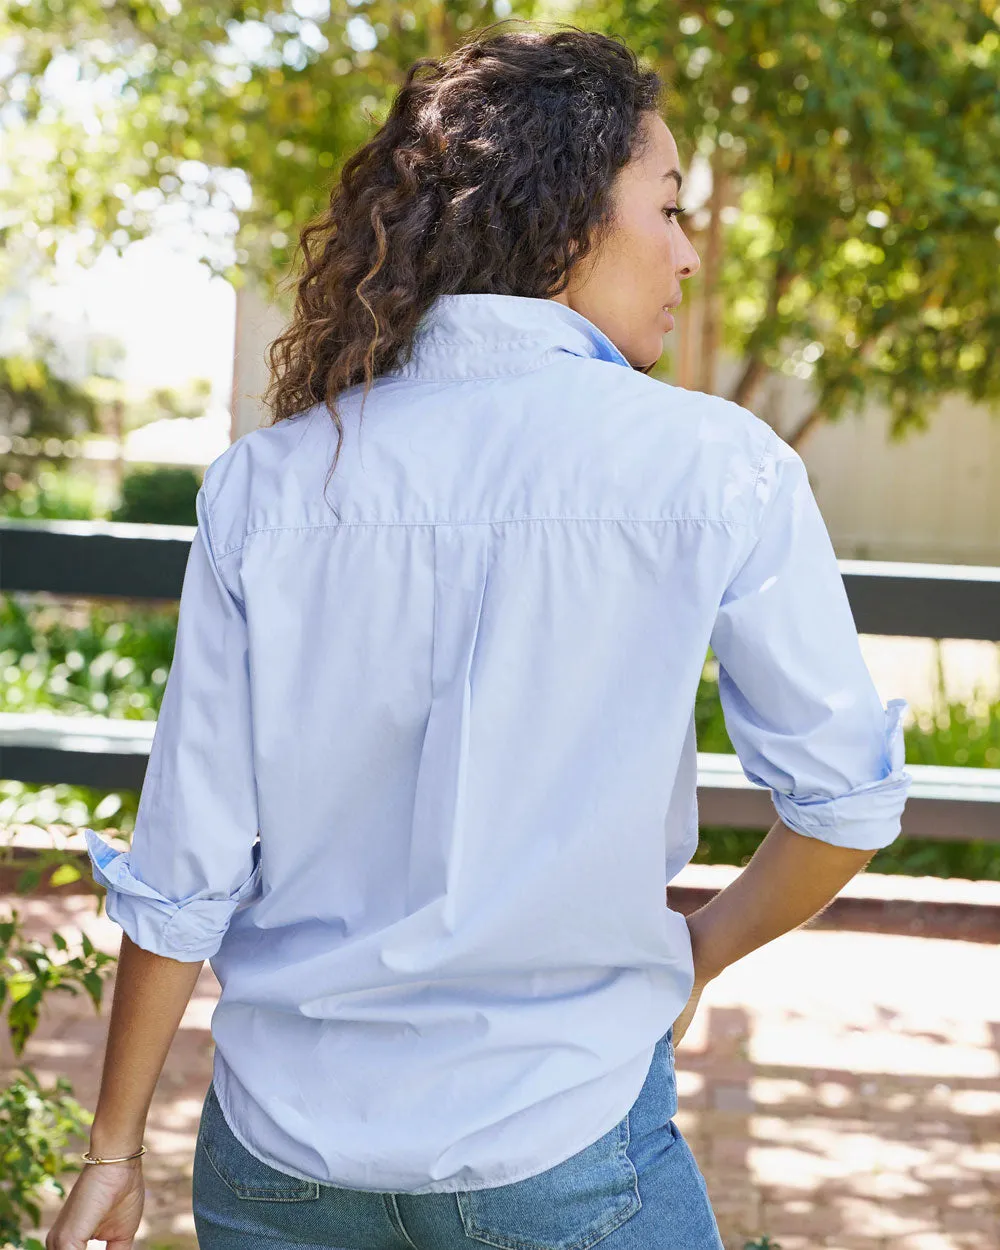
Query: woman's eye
pixel 673 212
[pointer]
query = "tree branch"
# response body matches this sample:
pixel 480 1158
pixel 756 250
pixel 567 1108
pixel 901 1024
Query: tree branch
pixel 802 430
pixel 752 376
pixel 862 351
pixel 711 321
pixel 755 369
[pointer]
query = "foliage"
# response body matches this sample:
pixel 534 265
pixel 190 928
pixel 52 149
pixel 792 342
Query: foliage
pixel 276 95
pixel 52 495
pixel 28 972
pixel 909 857
pixel 38 398
pixel 187 400
pixel 709 722
pixel 861 222
pixel 950 733
pixel 109 659
pixel 36 1124
pixel 64 806
pixel 34 397
pixel 957 733
pixel 859 212
pixel 161 496
pixel 35 400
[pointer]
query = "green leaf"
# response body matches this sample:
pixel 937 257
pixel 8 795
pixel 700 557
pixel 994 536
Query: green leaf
pixel 94 986
pixel 63 875
pixel 28 879
pixel 20 985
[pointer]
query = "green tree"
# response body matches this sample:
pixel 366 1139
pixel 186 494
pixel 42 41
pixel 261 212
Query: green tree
pixel 278 92
pixel 859 141
pixel 35 399
pixel 37 1124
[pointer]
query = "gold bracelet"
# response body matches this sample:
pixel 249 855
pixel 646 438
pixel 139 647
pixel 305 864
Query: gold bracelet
pixel 87 1159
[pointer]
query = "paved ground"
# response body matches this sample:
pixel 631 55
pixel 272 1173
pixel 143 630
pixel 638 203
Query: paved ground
pixel 840 1090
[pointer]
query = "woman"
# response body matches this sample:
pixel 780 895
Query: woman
pixel 458 707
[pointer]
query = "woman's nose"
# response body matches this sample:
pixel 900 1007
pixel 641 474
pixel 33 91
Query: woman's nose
pixel 692 263
pixel 691 269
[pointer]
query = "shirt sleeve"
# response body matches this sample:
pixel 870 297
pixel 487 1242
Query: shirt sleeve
pixel 193 858
pixel 799 703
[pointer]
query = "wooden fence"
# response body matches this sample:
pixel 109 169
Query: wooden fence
pixel 95 559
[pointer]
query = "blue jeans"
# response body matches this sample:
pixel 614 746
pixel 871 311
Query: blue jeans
pixel 636 1188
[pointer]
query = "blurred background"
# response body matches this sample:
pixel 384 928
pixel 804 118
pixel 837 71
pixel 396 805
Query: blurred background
pixel 841 167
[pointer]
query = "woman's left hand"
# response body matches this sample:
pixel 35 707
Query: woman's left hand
pixel 105 1204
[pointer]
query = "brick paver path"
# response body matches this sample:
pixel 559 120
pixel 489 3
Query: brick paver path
pixel 840 1090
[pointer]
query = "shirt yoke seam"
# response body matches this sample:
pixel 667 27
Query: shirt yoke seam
pixel 676 520
pixel 208 529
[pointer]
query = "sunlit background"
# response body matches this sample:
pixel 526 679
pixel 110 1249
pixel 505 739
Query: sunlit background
pixel 841 161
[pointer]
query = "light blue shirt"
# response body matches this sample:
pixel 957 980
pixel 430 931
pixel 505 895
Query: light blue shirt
pixel 461 720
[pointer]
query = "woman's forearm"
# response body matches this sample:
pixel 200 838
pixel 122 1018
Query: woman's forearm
pixel 150 997
pixel 790 878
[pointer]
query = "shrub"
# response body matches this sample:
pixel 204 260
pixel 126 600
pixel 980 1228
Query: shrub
pixel 37 1124
pixel 52 496
pixel 159 496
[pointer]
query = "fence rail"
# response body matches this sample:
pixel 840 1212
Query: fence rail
pixel 123 560
pixel 118 560
pixel 955 804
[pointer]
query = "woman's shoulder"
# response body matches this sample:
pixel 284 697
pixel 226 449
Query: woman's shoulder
pixel 713 416
pixel 711 429
pixel 243 474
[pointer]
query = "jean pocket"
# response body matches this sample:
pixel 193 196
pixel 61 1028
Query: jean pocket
pixel 568 1207
pixel 245 1174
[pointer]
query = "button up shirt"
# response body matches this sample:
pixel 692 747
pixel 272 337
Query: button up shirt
pixel 454 697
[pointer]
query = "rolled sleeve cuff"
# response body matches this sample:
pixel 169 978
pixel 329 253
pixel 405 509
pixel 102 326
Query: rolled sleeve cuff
pixel 189 930
pixel 867 817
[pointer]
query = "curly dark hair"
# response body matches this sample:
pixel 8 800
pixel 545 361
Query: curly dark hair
pixel 492 173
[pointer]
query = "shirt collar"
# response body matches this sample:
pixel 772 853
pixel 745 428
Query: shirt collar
pixel 486 336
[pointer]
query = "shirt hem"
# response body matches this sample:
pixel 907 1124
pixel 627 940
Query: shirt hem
pixel 509 1178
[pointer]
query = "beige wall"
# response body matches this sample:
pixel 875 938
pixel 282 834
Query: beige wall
pixel 258 323
pixel 933 497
